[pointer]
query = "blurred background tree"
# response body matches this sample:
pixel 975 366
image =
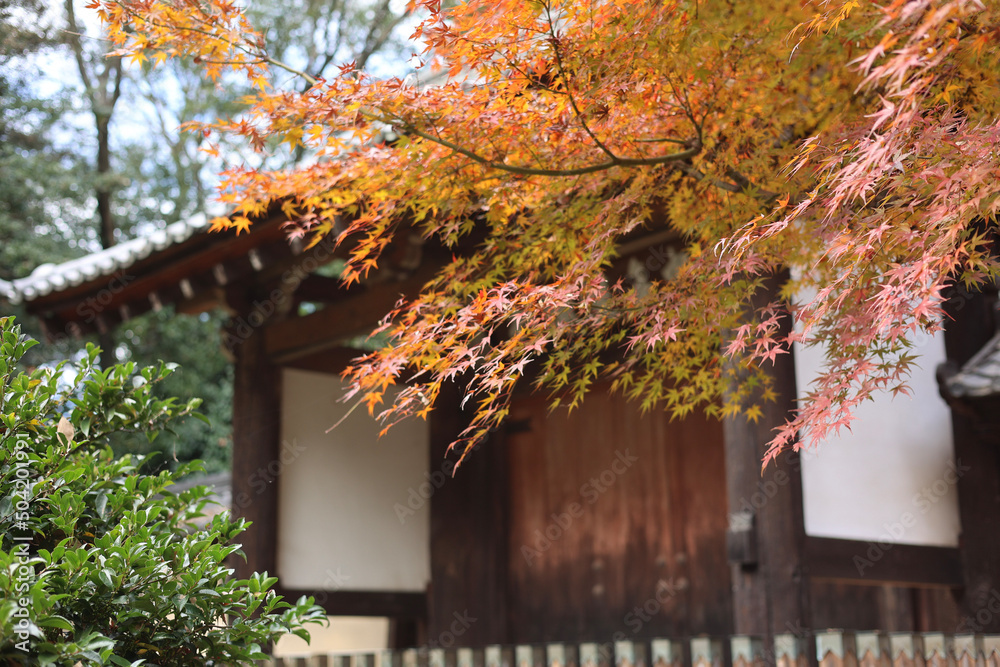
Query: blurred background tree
pixel 91 155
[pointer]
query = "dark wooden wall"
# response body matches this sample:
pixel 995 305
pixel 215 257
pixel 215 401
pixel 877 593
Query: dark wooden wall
pixel 617 523
pixel 888 608
pixel 533 543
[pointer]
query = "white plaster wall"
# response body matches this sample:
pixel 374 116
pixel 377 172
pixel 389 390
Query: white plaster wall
pixel 892 477
pixel 338 527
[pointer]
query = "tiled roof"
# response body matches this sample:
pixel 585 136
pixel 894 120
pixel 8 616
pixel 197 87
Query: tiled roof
pixel 980 376
pixel 49 278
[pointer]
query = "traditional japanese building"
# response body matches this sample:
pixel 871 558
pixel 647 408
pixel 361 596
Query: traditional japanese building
pixel 595 525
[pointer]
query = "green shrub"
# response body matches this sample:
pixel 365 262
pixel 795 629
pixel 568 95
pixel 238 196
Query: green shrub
pixel 100 564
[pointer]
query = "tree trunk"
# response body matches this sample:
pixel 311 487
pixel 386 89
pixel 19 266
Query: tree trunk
pixel 104 213
pixel 106 218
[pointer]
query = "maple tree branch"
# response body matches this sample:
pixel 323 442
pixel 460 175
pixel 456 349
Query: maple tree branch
pixel 197 31
pixel 259 56
pixel 311 80
pixel 258 61
pixel 684 102
pixel 660 141
pixel 614 160
pixel 741 186
pixel 535 171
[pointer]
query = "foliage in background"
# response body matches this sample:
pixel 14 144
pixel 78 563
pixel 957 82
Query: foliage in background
pixel 183 340
pixel 42 187
pixel 100 564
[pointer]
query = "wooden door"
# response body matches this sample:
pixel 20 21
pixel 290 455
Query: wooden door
pixel 617 523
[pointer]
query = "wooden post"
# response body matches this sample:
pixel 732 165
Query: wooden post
pixel 468 535
pixel 971 324
pixel 256 441
pixel 766 536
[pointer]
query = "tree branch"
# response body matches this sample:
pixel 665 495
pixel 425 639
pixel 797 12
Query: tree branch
pixel 117 91
pixel 533 171
pixel 77 47
pixel 741 186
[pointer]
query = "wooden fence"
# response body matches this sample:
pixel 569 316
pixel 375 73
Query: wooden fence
pixel 832 648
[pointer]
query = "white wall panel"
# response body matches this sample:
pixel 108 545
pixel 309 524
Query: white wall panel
pixel 892 477
pixel 337 526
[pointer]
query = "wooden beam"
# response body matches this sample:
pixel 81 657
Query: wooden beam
pixel 353 316
pixel 646 241
pixel 161 272
pixel 970 324
pixel 323 289
pixel 331 361
pixel 256 445
pixel 469 531
pixel 881 563
pixel 767 533
pixel 201 301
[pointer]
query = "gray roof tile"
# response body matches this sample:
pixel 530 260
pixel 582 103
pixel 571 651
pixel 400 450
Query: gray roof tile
pixel 49 278
pixel 980 376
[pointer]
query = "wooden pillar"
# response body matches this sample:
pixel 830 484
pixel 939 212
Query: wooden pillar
pixel 766 534
pixel 469 530
pixel 256 441
pixel 976 429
